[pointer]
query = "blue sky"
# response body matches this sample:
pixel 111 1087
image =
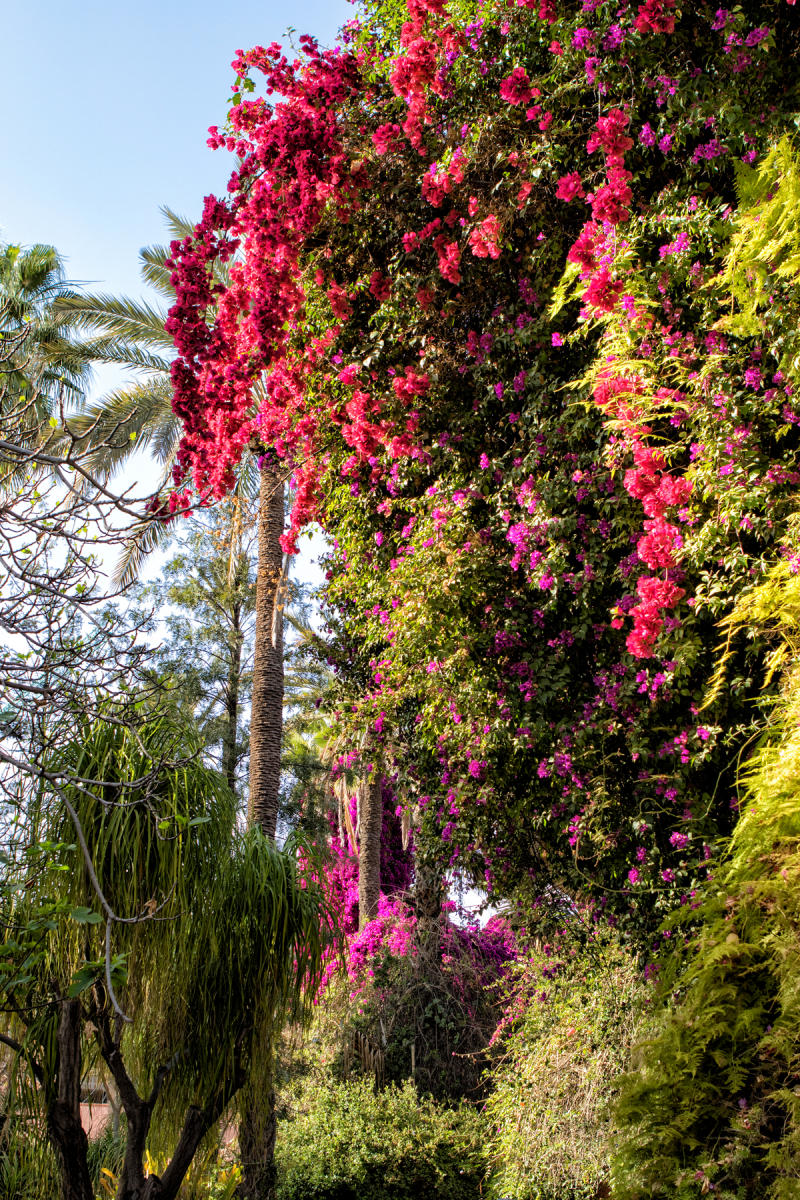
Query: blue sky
pixel 106 107
pixel 105 111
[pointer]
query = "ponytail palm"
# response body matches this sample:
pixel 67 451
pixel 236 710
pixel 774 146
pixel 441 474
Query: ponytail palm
pixel 216 937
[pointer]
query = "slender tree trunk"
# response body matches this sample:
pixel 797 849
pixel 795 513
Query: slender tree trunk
pixel 196 1125
pixel 266 721
pixel 133 1184
pixel 138 1111
pixel 370 822
pixel 257 1123
pixel 232 699
pixel 64 1108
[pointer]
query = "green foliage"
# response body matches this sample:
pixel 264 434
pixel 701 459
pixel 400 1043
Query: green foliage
pixel 205 598
pixel 713 1101
pixel 345 1142
pixel 105 1157
pixel 214 935
pixel 764 252
pixel 27 1164
pixel 549 1111
pixel 40 369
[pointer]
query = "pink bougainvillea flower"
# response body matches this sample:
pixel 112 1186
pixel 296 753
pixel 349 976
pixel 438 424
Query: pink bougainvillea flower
pixel 656 16
pixel 483 239
pixel 603 292
pixel 570 186
pixel 516 87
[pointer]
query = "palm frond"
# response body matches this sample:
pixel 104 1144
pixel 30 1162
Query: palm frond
pixel 179 226
pixel 122 353
pixel 115 317
pixel 144 539
pixel 153 258
pixel 154 272
pixel 137 417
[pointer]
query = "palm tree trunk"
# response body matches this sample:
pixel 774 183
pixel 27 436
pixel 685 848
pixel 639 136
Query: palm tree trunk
pixel 257 1129
pixel 232 690
pixel 266 721
pixel 370 822
pixel 428 896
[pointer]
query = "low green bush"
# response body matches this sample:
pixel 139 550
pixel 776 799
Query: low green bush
pixel 345 1142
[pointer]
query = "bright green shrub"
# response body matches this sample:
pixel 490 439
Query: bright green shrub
pixel 552 1132
pixel 345 1142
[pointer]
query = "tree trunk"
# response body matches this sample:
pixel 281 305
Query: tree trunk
pixel 196 1125
pixel 133 1184
pixel 266 721
pixel 64 1107
pixel 370 822
pixel 428 896
pixel 257 1127
pixel 232 699
pixel 257 1132
pixel 138 1111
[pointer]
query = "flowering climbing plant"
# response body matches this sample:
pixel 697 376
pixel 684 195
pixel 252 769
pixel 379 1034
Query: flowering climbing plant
pixel 475 307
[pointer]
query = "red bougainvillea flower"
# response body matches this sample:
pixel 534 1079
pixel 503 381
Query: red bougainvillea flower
pixel 570 186
pixel 516 87
pixel 483 239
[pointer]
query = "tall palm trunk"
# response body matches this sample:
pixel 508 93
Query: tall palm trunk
pixel 257 1128
pixel 428 896
pixel 266 721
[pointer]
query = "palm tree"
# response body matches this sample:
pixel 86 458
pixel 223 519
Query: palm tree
pixel 40 372
pixel 206 595
pixel 130 333
pixel 266 719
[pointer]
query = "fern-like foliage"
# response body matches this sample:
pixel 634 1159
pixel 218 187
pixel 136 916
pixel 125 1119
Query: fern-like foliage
pixel 764 252
pixel 714 1097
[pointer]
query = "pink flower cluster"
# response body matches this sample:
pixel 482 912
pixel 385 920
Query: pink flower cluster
pixel 656 16
pixel 516 87
pixel 291 165
pixel 484 238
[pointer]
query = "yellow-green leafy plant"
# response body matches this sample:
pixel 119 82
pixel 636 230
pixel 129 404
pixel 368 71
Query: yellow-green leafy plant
pixel 712 1103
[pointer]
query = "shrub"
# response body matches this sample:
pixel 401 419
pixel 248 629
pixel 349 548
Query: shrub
pixel 345 1142
pixel 572 1015
pixel 27 1164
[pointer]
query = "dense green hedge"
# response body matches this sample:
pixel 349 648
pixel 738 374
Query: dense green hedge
pixel 348 1143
